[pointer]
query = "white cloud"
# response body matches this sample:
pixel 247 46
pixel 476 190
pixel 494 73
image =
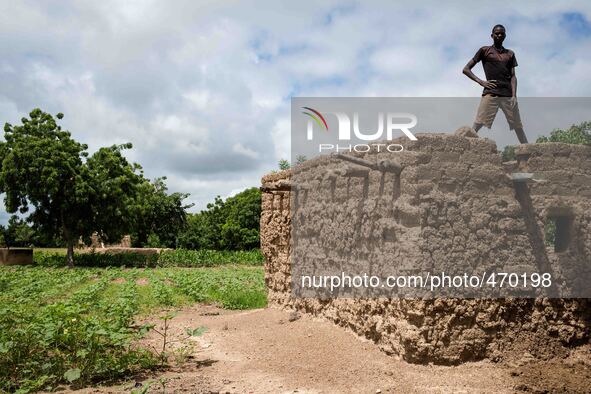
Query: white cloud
pixel 243 150
pixel 200 98
pixel 281 135
pixel 202 88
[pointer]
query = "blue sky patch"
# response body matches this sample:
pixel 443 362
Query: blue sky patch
pixel 576 24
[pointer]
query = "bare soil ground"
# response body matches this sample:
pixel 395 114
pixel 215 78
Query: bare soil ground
pixel 272 351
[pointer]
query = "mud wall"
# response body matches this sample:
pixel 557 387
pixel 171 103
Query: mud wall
pixel 451 201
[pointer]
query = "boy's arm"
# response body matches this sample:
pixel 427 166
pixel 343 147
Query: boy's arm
pixel 513 83
pixel 513 87
pixel 467 71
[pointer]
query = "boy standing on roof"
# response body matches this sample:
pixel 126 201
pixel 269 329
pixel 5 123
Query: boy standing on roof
pixel 500 87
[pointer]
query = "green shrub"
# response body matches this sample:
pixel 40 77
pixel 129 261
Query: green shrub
pixel 209 258
pixel 576 134
pixel 123 259
pixel 166 258
pixel 76 340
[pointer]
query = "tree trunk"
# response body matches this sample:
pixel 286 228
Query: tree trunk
pixel 69 243
pixel 70 254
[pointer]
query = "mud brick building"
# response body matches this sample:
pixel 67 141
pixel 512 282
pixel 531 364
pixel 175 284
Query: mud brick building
pixel 445 202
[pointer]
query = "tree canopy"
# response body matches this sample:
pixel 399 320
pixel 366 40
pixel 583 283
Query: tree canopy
pixel 68 193
pixel 158 215
pixel 576 134
pixel 232 224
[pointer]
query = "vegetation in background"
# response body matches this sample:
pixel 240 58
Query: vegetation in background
pixel 576 134
pixel 285 165
pixel 166 258
pixel 508 153
pixel 92 259
pixel 73 194
pixel 78 325
pixel 158 215
pixel 209 258
pixel 20 234
pixel 64 194
pixel 232 224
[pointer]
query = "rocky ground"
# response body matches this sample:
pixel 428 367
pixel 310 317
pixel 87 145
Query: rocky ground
pixel 274 351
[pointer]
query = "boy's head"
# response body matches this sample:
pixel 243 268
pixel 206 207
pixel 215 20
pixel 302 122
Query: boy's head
pixel 498 34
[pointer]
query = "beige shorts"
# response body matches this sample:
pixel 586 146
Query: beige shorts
pixel 489 106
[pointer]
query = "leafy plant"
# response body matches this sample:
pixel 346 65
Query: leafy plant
pixel 508 153
pixel 576 134
pixel 181 353
pixel 55 322
pixel 284 165
pixel 163 332
pixel 196 332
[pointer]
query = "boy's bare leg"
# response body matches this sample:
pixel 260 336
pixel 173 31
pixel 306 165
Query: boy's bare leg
pixel 521 135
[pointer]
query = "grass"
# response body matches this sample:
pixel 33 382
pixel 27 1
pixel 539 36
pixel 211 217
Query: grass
pixel 60 325
pixel 236 287
pixel 56 257
pixel 62 251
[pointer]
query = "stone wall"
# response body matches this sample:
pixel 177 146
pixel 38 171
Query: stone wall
pixel 445 202
pixel 16 256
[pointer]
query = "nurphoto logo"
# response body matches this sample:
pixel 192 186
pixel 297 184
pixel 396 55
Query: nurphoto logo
pixel 394 122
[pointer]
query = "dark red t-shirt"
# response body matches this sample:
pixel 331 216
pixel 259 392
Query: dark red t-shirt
pixel 497 65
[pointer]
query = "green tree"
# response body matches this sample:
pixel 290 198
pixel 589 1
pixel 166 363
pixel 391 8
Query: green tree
pixel 71 194
pixel 232 224
pixel 204 228
pixel 19 233
pixel 196 234
pixel 576 134
pixel 240 230
pixel 159 216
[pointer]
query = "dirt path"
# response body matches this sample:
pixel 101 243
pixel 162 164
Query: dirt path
pixel 262 351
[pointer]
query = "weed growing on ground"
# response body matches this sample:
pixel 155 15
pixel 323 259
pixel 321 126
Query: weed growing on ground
pixel 77 326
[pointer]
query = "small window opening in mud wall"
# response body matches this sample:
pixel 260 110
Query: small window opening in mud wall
pixel 558 230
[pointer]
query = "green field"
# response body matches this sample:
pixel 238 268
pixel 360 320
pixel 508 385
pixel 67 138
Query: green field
pixel 61 325
pixel 56 257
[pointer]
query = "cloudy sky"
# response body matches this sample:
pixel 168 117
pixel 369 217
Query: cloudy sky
pixel 202 88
